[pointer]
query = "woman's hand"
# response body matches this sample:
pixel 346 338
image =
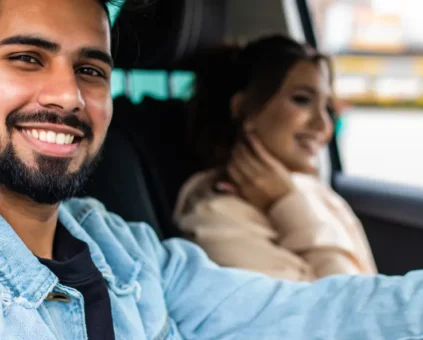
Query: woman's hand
pixel 259 177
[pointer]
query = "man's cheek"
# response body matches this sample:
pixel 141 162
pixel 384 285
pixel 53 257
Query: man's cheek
pixel 5 136
pixel 106 118
pixel 16 90
pixel 101 125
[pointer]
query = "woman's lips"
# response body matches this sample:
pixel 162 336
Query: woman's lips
pixel 309 144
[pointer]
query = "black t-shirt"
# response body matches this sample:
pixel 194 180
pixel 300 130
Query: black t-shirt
pixel 74 267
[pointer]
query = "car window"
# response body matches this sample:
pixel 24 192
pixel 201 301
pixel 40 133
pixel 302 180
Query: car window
pixel 378 58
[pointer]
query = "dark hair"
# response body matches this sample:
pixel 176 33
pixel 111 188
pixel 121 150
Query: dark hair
pixel 260 68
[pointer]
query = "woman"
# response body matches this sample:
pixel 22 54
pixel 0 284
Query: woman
pixel 260 119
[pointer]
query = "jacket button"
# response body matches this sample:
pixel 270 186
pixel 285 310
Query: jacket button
pixel 58 297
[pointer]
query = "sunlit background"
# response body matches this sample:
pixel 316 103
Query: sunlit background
pixel 378 55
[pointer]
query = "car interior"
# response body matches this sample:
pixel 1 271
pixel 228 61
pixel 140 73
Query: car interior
pixel 146 156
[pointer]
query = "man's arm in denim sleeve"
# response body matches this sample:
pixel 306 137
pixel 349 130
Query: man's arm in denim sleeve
pixel 4 299
pixel 210 302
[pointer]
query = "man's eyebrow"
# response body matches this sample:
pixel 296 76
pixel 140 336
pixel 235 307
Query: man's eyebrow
pixel 87 52
pixel 31 41
pixel 93 53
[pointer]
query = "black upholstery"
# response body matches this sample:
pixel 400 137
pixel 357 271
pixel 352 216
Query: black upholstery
pixel 119 181
pixel 143 164
pixel 162 124
pixel 161 34
pixel 144 161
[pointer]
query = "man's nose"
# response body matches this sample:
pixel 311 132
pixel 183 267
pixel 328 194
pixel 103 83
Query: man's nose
pixel 62 92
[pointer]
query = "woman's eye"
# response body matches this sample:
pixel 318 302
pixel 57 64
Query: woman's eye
pixel 301 99
pixel 26 59
pixel 89 71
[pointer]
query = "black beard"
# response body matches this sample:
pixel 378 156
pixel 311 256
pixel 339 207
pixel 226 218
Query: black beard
pixel 49 183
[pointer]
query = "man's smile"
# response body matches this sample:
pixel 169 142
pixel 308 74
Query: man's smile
pixel 51 139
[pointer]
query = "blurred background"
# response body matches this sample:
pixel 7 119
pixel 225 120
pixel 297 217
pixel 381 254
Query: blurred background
pixel 378 55
pixel 377 48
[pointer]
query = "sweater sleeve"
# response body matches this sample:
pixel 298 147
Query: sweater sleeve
pixel 310 227
pixel 234 234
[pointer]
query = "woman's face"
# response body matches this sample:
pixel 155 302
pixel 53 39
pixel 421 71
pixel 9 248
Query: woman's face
pixel 294 125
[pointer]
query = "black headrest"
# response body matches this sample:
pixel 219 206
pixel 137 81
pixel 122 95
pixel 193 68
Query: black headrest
pixel 119 181
pixel 160 126
pixel 161 34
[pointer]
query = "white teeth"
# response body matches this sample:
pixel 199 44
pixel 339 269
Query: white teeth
pixel 50 136
pixel 42 136
pixel 60 138
pixel 68 139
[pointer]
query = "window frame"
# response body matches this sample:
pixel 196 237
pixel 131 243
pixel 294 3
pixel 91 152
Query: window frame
pixel 310 37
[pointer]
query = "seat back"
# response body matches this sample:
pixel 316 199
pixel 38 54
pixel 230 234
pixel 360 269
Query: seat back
pixel 162 127
pixel 127 180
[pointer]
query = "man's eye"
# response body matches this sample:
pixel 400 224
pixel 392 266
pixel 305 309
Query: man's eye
pixel 89 71
pixel 301 99
pixel 26 59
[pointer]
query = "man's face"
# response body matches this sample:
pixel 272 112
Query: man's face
pixel 55 103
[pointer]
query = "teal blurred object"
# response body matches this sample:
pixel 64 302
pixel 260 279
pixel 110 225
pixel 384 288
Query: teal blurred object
pixel 114 12
pixel 152 83
pixel 340 125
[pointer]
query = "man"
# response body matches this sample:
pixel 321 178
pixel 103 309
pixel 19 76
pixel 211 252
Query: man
pixel 74 271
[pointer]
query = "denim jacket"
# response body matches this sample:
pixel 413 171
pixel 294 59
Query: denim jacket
pixel 171 290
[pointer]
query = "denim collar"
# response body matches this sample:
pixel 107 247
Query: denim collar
pixel 28 282
pixel 21 274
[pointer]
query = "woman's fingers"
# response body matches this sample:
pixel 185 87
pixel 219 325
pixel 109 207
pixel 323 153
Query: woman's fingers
pixel 236 175
pixel 264 156
pixel 258 176
pixel 253 166
pixel 244 166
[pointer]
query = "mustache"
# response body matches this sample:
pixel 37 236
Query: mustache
pixel 16 117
